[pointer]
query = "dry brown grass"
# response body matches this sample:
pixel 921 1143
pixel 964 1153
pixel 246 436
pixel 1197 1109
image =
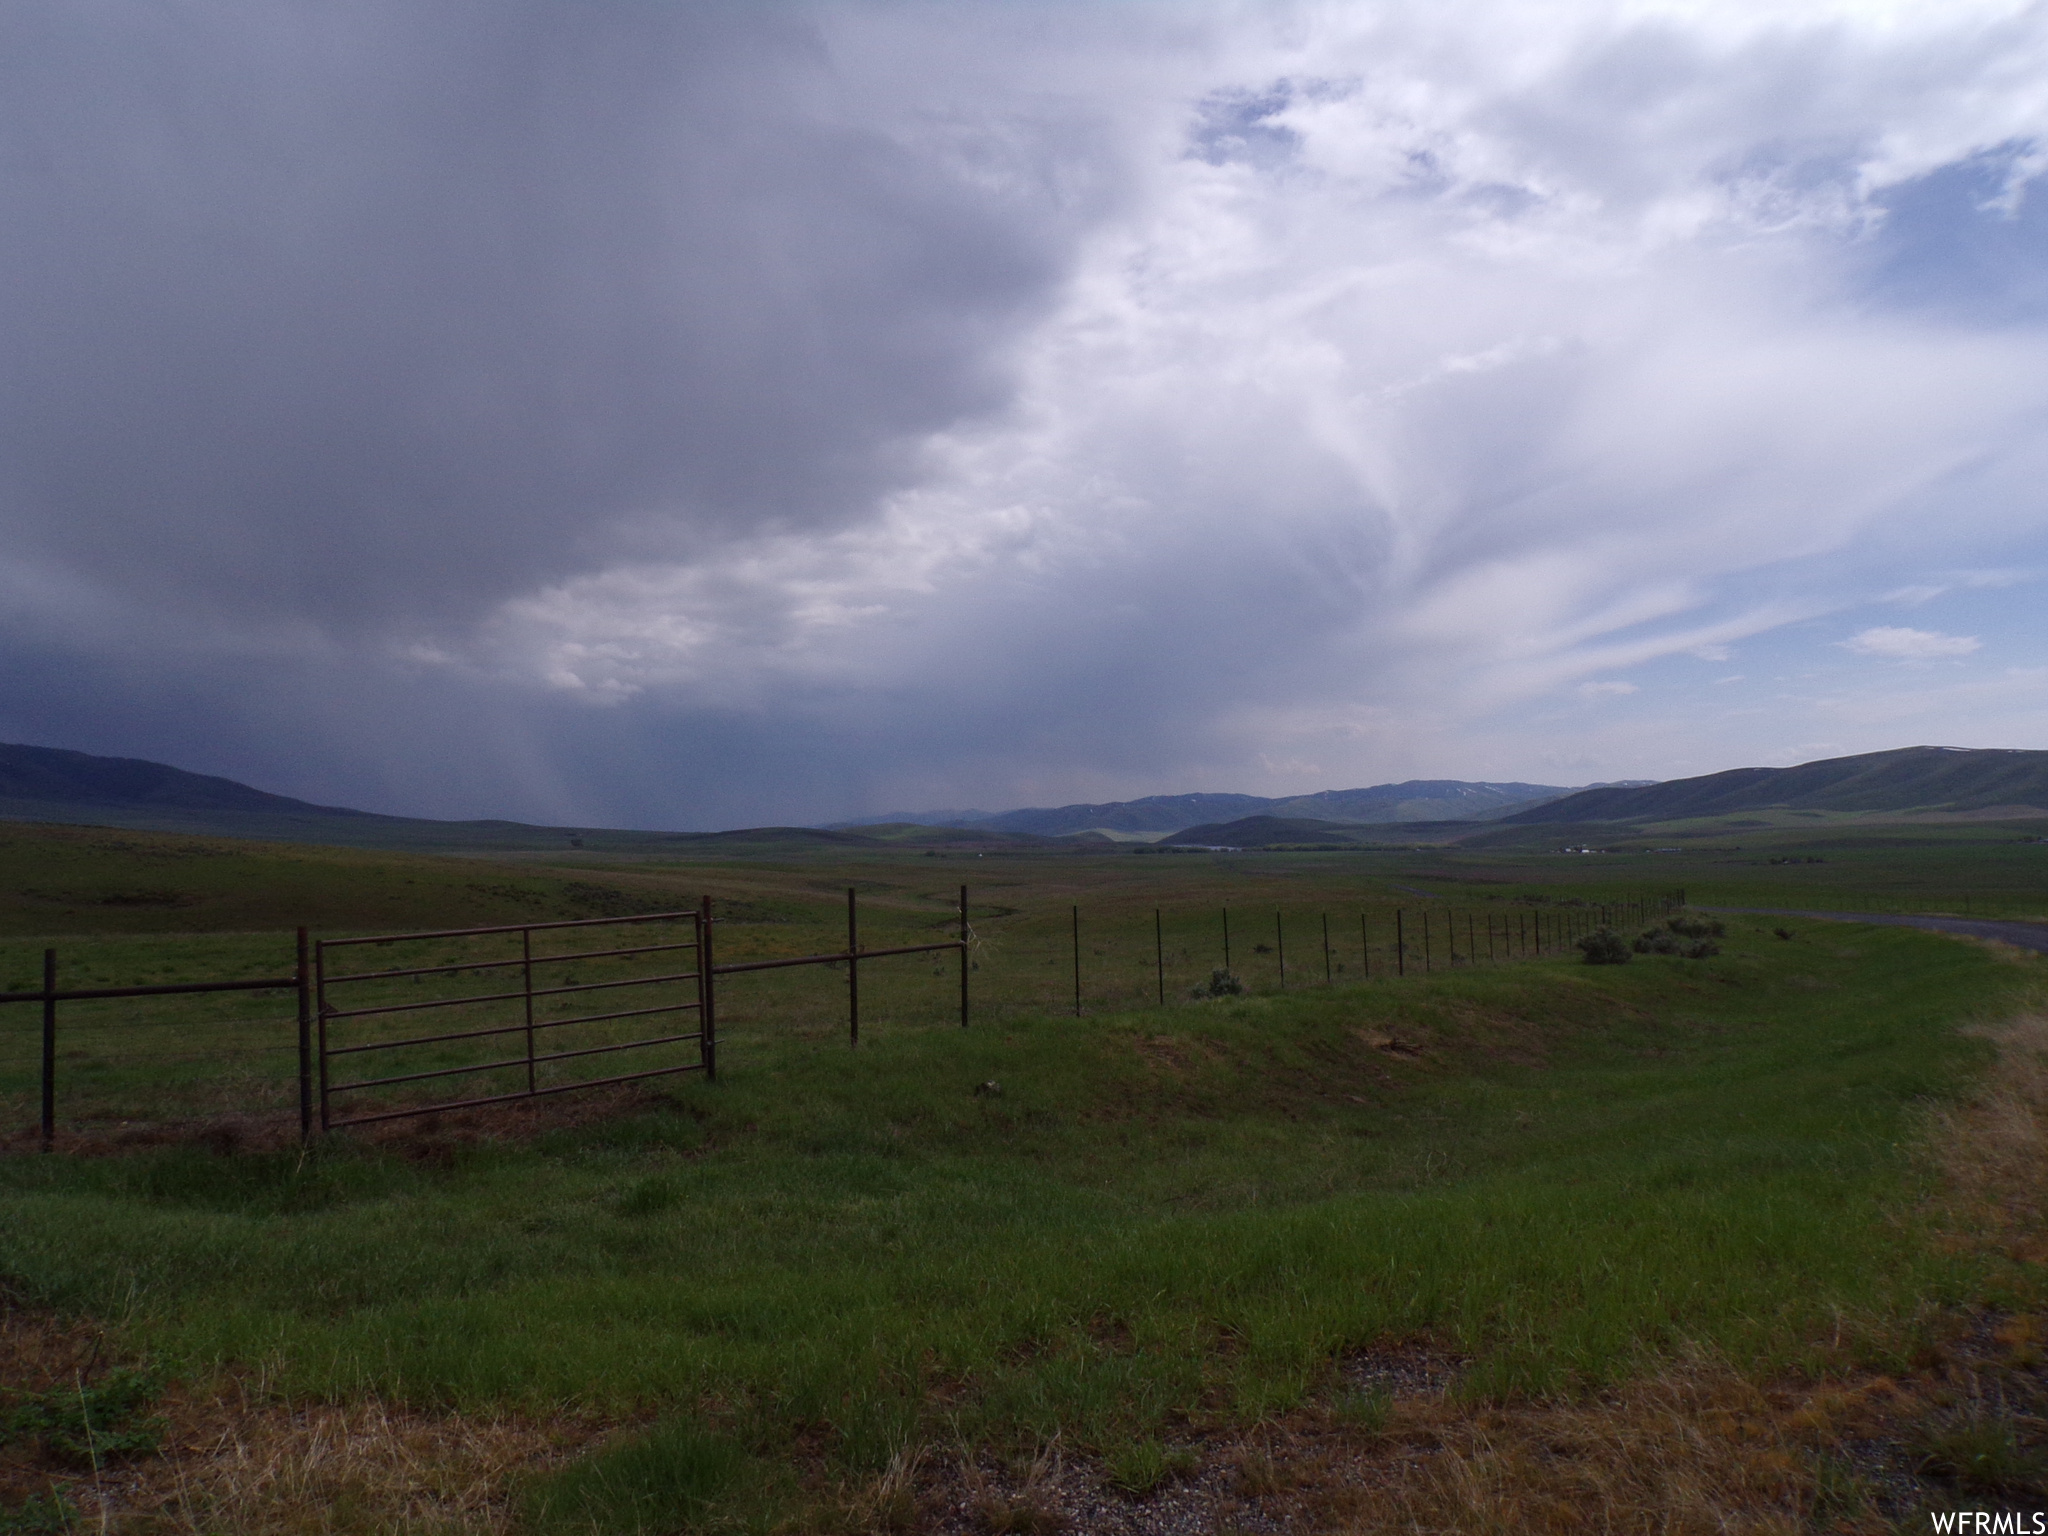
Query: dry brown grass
pixel 348 1468
pixel 1992 1149
pixel 235 1459
pixel 1696 1450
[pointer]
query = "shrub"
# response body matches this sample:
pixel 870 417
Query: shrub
pixel 1221 983
pixel 1698 927
pixel 1604 947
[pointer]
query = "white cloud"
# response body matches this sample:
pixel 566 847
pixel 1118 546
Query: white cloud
pixel 1606 690
pixel 1909 644
pixel 1486 374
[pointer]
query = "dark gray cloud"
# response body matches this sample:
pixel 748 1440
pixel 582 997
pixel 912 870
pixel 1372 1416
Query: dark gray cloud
pixel 374 314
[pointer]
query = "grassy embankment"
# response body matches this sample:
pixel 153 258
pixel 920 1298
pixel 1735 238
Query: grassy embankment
pixel 1163 1223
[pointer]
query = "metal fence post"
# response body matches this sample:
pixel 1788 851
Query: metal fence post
pixel 305 980
pixel 852 970
pixel 1400 943
pixel 49 1049
pixel 1280 945
pixel 1326 949
pixel 1077 962
pixel 707 994
pixel 963 957
pixel 1226 938
pixel 1159 954
pixel 1364 945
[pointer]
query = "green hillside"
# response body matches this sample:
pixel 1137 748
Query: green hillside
pixel 85 880
pixel 1950 779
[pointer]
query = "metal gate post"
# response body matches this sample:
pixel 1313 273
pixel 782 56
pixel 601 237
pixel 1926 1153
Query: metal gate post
pixel 1326 949
pixel 707 998
pixel 963 957
pixel 320 1011
pixel 49 1049
pixel 1364 946
pixel 526 988
pixel 1226 938
pixel 1280 941
pixel 305 989
pixel 1400 942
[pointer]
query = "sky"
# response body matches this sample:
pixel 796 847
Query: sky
pixel 671 413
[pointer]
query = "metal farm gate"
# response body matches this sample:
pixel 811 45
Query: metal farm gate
pixel 535 985
pixel 537 988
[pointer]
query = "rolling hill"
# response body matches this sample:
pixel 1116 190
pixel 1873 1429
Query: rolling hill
pixel 1379 805
pixel 1907 779
pixel 1266 831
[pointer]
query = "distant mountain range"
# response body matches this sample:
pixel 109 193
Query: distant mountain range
pixel 1908 783
pixel 50 784
pixel 1382 804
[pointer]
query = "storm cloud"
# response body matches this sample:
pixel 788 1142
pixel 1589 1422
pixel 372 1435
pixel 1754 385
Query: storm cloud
pixel 694 414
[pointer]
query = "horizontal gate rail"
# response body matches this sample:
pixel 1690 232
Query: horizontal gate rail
pixel 502 997
pixel 517 1061
pixel 494 965
pixel 507 1098
pixel 476 933
pixel 504 1029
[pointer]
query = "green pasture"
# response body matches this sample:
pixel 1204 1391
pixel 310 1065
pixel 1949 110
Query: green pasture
pixel 1115 1230
pixel 1796 860
pixel 1150 932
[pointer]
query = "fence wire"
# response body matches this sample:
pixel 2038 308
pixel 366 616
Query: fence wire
pixel 201 1057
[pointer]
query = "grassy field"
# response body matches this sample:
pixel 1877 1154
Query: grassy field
pixel 835 1289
